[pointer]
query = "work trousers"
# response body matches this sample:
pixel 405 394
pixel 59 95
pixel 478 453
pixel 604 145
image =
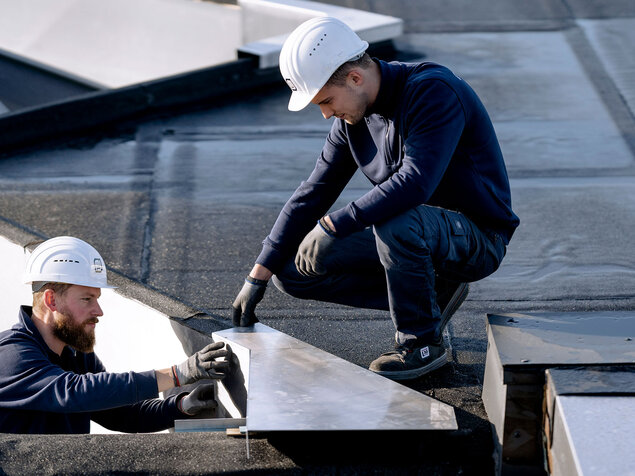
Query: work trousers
pixel 395 266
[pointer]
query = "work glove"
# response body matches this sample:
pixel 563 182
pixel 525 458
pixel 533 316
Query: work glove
pixel 203 365
pixel 245 303
pixel 199 399
pixel 313 250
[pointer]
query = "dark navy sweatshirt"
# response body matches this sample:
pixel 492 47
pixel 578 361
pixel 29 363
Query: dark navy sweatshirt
pixel 427 139
pixel 42 392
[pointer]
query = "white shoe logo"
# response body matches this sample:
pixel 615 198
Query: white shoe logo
pixel 425 352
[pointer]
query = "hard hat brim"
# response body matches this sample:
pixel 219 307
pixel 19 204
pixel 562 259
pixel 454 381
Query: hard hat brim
pixel 58 278
pixel 299 101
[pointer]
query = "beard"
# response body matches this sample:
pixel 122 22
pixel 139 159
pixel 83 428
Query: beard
pixel 360 107
pixel 75 335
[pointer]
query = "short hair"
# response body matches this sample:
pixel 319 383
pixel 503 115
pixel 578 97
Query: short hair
pixel 338 78
pixel 38 297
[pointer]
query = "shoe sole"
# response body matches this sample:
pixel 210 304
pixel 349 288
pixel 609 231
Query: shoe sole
pixel 414 373
pixel 453 305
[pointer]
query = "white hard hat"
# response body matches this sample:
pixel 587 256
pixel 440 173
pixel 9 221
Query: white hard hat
pixel 65 259
pixel 312 53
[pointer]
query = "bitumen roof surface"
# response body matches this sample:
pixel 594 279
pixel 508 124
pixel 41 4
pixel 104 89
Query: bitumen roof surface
pixel 181 203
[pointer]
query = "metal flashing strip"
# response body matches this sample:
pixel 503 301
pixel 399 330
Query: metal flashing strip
pixel 90 112
pixel 67 76
pixel 293 386
pixel 26 83
pixel 207 424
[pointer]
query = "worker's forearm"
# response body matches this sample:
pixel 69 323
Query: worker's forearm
pixel 260 272
pixel 165 379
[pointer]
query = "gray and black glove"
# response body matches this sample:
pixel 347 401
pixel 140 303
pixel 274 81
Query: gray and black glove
pixel 203 365
pixel 245 303
pixel 313 250
pixel 199 399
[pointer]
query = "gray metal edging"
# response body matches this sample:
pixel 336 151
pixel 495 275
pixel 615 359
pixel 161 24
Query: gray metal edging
pixel 50 70
pixel 92 111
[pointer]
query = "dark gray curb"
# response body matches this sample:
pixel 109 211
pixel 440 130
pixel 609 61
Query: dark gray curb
pixel 92 111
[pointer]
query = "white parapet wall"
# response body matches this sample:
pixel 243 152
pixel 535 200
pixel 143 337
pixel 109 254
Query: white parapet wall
pixel 116 43
pixel 130 335
pixel 267 23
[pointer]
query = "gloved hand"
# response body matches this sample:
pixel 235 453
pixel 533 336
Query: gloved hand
pixel 245 303
pixel 201 398
pixel 203 365
pixel 313 250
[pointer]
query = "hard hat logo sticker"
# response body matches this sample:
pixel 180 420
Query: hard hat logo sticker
pixel 291 84
pixel 97 265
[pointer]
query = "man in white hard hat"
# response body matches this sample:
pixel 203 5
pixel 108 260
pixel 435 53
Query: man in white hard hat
pixel 439 212
pixel 51 381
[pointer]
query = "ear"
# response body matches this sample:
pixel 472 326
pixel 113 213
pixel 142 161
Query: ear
pixel 356 77
pixel 50 300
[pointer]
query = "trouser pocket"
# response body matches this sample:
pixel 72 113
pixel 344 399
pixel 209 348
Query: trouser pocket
pixel 471 255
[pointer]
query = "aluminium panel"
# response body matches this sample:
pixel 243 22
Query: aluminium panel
pixel 294 386
pixel 589 435
pixel 593 435
pixel 207 424
pixel 564 338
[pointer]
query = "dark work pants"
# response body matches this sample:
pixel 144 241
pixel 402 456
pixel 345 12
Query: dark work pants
pixel 394 266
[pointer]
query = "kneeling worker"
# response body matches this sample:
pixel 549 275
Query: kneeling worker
pixel 51 381
pixel 438 214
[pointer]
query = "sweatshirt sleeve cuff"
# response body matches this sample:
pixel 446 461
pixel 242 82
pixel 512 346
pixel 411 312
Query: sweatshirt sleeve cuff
pixel 270 258
pixel 146 384
pixel 345 222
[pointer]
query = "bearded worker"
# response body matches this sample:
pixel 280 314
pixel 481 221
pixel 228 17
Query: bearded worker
pixel 438 214
pixel 51 381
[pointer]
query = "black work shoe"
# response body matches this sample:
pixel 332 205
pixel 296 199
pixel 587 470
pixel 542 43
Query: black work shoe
pixel 449 301
pixel 405 364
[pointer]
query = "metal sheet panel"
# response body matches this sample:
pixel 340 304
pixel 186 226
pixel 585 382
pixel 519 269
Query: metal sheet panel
pixel 547 339
pixel 593 435
pixel 207 424
pixel 294 386
pixel 566 421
